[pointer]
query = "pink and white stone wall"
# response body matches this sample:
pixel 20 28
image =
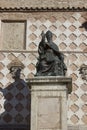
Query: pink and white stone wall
pixel 71 40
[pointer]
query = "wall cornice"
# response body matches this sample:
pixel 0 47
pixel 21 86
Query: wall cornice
pixel 42 5
pixel 37 9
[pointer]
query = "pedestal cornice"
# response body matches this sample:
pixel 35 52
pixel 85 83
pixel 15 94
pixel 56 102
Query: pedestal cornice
pixel 51 80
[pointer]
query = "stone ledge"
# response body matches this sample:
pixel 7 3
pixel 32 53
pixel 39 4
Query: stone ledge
pixel 48 79
pixel 26 127
pixel 77 127
pixel 51 80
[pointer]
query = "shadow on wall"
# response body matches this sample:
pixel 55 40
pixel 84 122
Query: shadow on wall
pixel 16 115
pixel 84 25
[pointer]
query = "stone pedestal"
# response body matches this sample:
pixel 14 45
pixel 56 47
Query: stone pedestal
pixel 49 102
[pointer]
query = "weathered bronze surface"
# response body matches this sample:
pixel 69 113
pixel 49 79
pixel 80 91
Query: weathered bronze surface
pixel 50 61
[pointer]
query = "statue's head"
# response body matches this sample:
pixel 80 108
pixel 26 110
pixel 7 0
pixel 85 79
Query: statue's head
pixel 15 71
pixel 49 35
pixel 50 43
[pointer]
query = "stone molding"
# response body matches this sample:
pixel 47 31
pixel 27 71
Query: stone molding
pixel 50 79
pixel 41 9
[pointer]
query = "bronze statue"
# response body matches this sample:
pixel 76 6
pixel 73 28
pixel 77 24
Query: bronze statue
pixel 50 61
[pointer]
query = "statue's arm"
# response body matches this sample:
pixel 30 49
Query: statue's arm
pixel 41 44
pixel 43 38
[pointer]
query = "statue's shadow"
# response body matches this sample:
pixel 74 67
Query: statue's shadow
pixel 15 106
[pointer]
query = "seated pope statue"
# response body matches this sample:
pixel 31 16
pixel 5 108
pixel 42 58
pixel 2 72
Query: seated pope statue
pixel 50 61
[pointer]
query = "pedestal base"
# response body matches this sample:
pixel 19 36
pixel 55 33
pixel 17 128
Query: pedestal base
pixel 48 103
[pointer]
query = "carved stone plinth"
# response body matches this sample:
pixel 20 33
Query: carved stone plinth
pixel 49 102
